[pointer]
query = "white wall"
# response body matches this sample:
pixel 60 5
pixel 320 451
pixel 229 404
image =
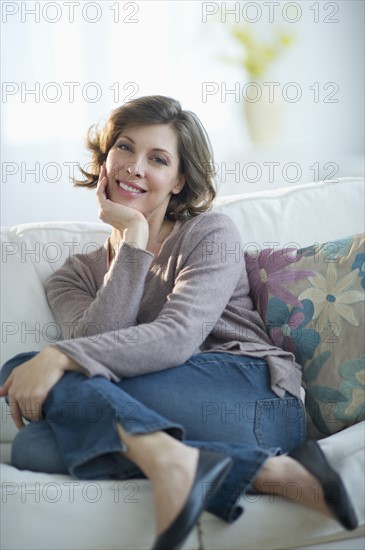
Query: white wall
pixel 167 48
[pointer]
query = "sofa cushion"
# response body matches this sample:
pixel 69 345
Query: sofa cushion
pixel 312 303
pixel 295 214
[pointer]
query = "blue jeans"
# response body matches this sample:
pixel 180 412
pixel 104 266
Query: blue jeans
pixel 214 401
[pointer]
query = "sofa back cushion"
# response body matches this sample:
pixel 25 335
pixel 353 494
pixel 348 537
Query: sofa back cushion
pixel 299 215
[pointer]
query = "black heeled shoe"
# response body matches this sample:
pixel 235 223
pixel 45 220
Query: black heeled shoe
pixel 212 469
pixel 311 456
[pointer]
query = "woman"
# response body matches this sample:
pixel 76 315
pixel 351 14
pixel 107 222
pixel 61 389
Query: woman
pixel 161 342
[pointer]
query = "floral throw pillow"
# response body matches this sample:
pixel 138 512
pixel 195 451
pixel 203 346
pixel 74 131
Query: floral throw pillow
pixel 312 303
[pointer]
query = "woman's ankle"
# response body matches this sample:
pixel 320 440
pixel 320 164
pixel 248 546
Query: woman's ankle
pixel 284 476
pixel 272 474
pixel 152 451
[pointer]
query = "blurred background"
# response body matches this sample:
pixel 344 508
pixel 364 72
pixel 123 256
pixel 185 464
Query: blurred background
pixel 279 87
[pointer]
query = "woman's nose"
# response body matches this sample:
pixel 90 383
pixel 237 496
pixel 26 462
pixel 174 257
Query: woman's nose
pixel 134 169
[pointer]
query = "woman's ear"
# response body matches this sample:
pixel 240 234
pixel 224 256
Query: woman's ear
pixel 179 185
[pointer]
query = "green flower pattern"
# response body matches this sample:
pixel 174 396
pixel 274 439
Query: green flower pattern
pixel 353 388
pixel 346 405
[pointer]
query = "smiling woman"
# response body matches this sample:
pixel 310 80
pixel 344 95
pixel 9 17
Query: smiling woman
pixel 181 137
pixel 195 341
pixel 158 161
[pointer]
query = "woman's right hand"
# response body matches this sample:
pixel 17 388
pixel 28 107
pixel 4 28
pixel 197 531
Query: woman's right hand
pixel 131 223
pixel 28 385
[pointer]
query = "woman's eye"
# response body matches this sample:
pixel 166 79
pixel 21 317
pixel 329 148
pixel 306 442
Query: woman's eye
pixel 123 146
pixel 160 160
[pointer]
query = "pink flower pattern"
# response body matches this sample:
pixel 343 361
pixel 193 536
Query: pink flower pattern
pixel 266 274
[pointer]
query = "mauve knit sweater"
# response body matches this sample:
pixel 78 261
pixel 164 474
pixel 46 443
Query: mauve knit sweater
pixel 146 313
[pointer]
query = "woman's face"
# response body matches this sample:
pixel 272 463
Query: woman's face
pixel 143 169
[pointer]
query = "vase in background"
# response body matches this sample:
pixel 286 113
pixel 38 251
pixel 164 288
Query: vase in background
pixel 263 115
pixel 263 103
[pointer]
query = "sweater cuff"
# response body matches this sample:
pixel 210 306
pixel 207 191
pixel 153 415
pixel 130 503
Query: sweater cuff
pixel 90 366
pixel 125 251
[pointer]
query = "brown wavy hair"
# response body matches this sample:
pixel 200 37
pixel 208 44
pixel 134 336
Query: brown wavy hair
pixel 194 150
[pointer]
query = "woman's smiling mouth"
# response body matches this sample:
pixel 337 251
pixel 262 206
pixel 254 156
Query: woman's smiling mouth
pixel 130 187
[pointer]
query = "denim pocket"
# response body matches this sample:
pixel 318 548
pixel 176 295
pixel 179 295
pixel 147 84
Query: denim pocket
pixel 280 423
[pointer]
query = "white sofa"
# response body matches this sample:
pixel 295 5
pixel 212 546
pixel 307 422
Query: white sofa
pixel 40 511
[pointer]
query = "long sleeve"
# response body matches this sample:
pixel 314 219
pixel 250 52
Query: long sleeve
pixel 83 310
pixel 206 271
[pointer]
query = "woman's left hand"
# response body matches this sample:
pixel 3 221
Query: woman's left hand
pixel 28 385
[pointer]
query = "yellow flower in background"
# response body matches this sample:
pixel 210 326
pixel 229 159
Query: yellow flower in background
pixel 269 53
pixel 285 39
pixel 258 55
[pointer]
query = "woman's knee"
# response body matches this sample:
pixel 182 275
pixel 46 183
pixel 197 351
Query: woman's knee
pixel 34 448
